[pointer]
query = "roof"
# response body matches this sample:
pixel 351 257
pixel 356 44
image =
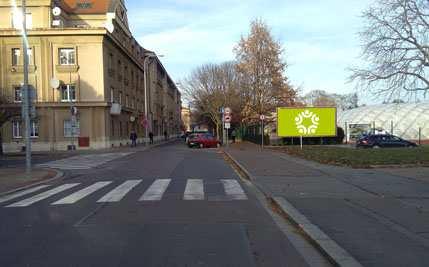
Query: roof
pixel 88 6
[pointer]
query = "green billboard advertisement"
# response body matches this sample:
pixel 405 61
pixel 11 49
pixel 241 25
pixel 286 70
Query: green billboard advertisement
pixel 306 122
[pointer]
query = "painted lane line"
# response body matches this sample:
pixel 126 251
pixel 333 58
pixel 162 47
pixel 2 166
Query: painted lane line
pixel 233 189
pixel 42 196
pixel 22 193
pixel 194 190
pixel 119 192
pixel 73 198
pixel 156 190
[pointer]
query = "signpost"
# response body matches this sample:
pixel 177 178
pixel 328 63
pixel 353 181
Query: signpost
pixel 306 122
pixel 227 122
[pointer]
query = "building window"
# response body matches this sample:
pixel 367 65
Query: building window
pixel 67 56
pixel 112 95
pixel 110 61
pixel 16 129
pixel 126 101
pixel 68 93
pixel 34 129
pixel 69 130
pixel 18 94
pixel 30 56
pixel 16 54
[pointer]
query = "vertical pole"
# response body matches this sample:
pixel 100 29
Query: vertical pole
pixel 391 127
pixel 145 67
pixel 227 138
pixel 346 132
pixel 300 141
pixel 262 134
pixel 420 135
pixel 373 127
pixel 26 94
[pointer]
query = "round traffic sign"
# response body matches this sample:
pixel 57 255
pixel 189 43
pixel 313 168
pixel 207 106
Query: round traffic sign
pixel 262 117
pixel 227 118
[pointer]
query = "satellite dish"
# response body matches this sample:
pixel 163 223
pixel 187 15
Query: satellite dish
pixel 109 27
pixel 56 11
pixel 55 83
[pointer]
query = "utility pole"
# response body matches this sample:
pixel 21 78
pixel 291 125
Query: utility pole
pixel 26 94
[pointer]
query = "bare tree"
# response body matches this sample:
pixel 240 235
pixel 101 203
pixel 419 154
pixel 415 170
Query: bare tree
pixel 395 42
pixel 264 86
pixel 211 87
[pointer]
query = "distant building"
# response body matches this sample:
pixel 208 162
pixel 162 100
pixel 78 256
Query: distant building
pixel 186 119
pixel 114 83
pixel 409 121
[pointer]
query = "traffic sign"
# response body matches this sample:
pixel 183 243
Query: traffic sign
pixel 227 125
pixel 262 117
pixel 227 111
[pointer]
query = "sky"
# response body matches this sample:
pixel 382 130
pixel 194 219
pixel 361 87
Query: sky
pixel 319 37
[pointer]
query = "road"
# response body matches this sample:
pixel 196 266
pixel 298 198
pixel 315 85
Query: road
pixel 168 206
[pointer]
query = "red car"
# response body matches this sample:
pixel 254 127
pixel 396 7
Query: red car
pixel 203 140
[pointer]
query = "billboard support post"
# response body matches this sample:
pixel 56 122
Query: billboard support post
pixel 300 141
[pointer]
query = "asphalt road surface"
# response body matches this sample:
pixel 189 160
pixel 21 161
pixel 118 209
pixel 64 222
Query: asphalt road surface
pixel 168 206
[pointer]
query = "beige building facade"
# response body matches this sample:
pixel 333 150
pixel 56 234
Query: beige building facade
pixel 113 83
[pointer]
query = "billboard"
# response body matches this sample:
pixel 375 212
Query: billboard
pixel 307 122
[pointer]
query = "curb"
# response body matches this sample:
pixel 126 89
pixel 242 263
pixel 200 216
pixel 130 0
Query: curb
pixel 336 254
pixel 57 176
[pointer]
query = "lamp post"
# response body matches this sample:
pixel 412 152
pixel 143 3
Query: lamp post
pixel 26 94
pixel 146 109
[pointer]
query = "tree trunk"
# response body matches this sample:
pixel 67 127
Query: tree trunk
pixel 1 143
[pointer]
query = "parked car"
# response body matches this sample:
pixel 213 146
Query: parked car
pixel 203 140
pixel 383 140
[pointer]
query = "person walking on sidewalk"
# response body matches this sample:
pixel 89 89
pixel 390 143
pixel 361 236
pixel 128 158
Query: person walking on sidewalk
pixel 133 137
pixel 165 135
pixel 151 138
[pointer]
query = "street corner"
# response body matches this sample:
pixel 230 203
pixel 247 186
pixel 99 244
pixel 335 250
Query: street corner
pixel 16 179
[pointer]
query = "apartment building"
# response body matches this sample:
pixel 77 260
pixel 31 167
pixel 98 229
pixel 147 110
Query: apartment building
pixel 84 58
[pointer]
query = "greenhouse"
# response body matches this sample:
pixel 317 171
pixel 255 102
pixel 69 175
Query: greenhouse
pixel 409 120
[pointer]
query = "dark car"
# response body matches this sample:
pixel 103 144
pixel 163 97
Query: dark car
pixel 383 140
pixel 203 140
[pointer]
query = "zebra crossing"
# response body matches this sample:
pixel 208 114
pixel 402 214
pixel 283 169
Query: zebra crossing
pixel 83 162
pixel 194 191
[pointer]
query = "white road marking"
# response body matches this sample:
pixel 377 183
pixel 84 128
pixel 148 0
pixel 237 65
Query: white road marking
pixel 119 192
pixel 42 196
pixel 156 190
pixel 73 198
pixel 84 162
pixel 233 189
pixel 194 190
pixel 21 193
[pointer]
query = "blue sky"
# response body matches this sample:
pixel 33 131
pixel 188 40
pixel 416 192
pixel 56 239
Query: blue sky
pixel 319 36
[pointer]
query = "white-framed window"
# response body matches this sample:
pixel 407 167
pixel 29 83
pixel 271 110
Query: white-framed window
pixel 16 54
pixel 16 129
pixel 17 94
pixel 34 129
pixel 68 93
pixel 112 95
pixel 71 130
pixel 30 56
pixel 67 56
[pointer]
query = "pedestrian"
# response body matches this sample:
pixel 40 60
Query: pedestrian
pixel 133 137
pixel 151 137
pixel 165 135
pixel 233 136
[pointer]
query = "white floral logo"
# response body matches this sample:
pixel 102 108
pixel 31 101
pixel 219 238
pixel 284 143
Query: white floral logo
pixel 307 115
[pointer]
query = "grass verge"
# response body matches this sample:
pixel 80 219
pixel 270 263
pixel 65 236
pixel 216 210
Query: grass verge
pixel 361 158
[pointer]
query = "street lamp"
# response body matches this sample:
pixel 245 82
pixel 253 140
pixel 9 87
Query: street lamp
pixel 147 56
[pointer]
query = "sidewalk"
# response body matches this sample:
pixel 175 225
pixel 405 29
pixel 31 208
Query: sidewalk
pixel 380 217
pixel 14 178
